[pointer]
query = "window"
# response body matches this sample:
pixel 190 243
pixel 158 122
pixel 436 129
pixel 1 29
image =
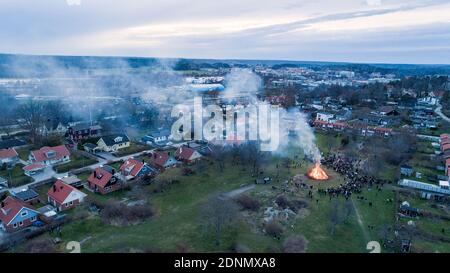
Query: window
pixel 70 203
pixel 32 219
pixel 66 204
pixel 24 213
pixel 15 225
pixel 20 223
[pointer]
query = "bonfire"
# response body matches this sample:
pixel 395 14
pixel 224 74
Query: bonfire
pixel 317 173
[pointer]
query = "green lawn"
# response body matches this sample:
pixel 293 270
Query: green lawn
pixel 116 165
pixel 24 153
pixel 17 177
pixel 76 162
pixel 177 219
pixel 176 222
pixel 134 148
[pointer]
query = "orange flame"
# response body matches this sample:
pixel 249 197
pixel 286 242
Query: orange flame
pixel 317 173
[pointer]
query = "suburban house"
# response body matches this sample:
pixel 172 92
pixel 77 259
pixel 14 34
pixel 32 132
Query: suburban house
pixel 113 143
pixel 187 155
pixel 406 170
pixel 34 168
pixel 8 156
pixel 202 147
pixel 387 111
pixel 327 117
pixel 73 181
pixel 104 180
pixel 133 168
pixel 63 196
pixel 162 160
pixel 50 155
pixel 159 137
pixel 52 128
pixel 84 130
pixel 90 148
pixel 16 214
pixel 28 196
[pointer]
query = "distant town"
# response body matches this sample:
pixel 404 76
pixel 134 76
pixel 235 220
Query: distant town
pixel 87 155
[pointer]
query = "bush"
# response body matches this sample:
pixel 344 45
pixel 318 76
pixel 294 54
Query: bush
pixel 122 215
pixel 294 205
pixel 274 229
pixel 40 246
pixel 298 204
pixel 295 244
pixel 240 248
pixel 282 202
pixel 248 202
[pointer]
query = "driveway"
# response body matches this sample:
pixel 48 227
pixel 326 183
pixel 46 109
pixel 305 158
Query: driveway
pixel 105 155
pixel 44 175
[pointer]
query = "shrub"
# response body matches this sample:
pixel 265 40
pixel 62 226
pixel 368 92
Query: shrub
pixel 40 246
pixel 274 229
pixel 121 214
pixel 282 201
pixel 248 202
pixel 295 244
pixel 240 248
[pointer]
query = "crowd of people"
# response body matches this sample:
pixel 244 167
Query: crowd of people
pixel 355 179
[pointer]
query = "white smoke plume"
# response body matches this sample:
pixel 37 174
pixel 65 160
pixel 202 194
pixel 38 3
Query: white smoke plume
pixel 294 128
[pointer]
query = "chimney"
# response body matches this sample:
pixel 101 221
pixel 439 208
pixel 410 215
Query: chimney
pixel 54 188
pixel 95 174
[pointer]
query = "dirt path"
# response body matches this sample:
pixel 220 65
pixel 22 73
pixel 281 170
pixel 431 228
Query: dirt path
pixel 360 222
pixel 238 191
pixel 439 112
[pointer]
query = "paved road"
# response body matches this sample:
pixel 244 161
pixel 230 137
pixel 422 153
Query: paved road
pixel 439 112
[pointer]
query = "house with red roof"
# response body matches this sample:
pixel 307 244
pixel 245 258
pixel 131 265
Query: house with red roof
pixel 16 214
pixel 187 155
pixel 64 197
pixel 33 169
pixel 104 180
pixel 50 155
pixel 133 168
pixel 162 160
pixel 8 156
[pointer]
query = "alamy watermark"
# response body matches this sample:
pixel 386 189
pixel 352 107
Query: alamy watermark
pixel 236 123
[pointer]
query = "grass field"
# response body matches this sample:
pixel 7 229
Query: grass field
pixel 76 162
pixel 177 217
pixel 17 177
pixel 134 148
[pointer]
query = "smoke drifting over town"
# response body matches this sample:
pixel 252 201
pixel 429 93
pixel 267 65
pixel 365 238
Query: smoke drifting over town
pixel 244 82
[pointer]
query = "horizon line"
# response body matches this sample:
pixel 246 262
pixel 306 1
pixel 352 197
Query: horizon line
pixel 224 59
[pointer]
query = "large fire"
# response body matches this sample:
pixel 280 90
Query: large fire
pixel 317 173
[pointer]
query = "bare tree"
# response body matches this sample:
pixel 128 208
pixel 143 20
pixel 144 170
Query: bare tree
pixel 218 155
pixel 32 113
pixel 217 212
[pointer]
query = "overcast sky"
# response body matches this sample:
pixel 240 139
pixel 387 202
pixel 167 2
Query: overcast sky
pixel 389 31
